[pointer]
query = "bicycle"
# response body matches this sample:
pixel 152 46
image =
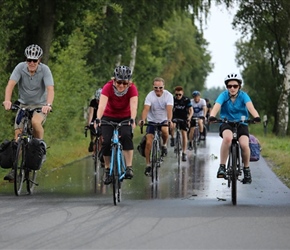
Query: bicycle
pixel 22 172
pixel 234 163
pixel 196 134
pixel 118 164
pixel 95 156
pixel 156 157
pixel 178 144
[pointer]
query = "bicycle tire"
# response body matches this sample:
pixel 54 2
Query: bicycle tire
pixel 30 177
pixel 178 147
pixel 195 139
pixel 154 159
pixel 96 163
pixel 18 167
pixel 121 170
pixel 114 175
pixel 234 174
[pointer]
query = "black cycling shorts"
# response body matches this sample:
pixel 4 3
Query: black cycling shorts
pixel 242 129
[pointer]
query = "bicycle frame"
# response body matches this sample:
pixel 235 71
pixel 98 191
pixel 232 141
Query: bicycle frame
pixel 178 143
pixel 234 163
pixel 22 173
pixel 156 157
pixel 118 163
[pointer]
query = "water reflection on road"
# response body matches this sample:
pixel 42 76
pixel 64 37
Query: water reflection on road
pixel 190 180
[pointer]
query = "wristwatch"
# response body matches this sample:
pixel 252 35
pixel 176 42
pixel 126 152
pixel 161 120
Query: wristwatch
pixel 48 104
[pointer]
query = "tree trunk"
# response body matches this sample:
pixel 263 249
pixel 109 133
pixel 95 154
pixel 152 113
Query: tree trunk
pixel 133 53
pixel 46 26
pixel 283 105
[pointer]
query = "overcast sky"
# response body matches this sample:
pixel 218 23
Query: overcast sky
pixel 221 37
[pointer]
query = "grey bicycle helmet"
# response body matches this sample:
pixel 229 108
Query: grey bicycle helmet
pixel 98 93
pixel 234 76
pixel 33 52
pixel 122 73
pixel 195 93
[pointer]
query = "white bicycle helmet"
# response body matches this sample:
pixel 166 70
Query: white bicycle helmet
pixel 122 73
pixel 98 93
pixel 234 76
pixel 33 52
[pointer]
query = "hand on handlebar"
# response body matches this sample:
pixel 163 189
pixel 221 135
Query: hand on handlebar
pixel 257 119
pixel 212 119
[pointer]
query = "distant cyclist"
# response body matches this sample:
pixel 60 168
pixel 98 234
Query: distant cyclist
pixel 92 115
pixel 182 109
pixel 118 102
pixel 199 110
pixel 35 89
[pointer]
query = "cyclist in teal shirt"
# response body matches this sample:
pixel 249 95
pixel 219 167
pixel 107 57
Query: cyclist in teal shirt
pixel 233 104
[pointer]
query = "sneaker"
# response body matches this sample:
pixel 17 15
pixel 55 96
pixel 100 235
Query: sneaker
pixel 164 151
pixel 222 171
pixel 129 173
pixel 9 176
pixel 107 178
pixel 184 157
pixel 91 147
pixel 172 142
pixel 190 146
pixel 247 176
pixel 147 171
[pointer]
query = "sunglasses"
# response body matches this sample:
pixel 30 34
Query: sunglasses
pixel 32 60
pixel 232 86
pixel 178 94
pixel 122 82
pixel 155 87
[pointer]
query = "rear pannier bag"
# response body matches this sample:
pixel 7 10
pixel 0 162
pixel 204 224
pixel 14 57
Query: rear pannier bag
pixel 6 154
pixel 141 146
pixel 35 154
pixel 255 148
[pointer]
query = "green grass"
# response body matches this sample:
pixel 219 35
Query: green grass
pixel 276 151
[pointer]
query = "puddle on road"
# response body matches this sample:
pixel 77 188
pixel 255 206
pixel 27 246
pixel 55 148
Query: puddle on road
pixel 188 181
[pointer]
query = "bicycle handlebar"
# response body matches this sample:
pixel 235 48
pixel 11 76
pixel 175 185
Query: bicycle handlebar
pixel 250 121
pixel 16 107
pixel 153 124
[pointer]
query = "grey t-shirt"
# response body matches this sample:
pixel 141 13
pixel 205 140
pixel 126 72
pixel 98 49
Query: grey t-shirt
pixel 32 89
pixel 158 111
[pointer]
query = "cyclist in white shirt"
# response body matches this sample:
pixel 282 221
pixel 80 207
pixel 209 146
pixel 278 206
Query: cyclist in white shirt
pixel 199 110
pixel 158 107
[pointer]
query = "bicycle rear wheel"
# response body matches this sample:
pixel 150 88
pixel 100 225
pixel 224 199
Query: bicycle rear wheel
pixel 234 174
pixel 30 177
pixel 18 167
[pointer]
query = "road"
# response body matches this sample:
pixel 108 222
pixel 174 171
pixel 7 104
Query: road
pixel 189 209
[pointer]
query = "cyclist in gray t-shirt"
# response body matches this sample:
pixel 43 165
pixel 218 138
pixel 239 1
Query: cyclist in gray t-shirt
pixel 35 89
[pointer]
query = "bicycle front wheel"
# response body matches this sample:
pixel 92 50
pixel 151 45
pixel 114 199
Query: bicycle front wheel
pixel 18 167
pixel 178 147
pixel 30 177
pixel 154 159
pixel 234 174
pixel 195 139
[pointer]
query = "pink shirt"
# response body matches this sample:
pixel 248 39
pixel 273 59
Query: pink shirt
pixel 118 106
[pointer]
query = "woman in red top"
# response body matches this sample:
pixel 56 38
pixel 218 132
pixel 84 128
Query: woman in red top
pixel 118 102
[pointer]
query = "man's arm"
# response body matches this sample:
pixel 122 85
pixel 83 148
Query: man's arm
pixel 8 94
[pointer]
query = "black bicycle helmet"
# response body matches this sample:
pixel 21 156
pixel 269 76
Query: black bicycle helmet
pixel 195 93
pixel 33 52
pixel 233 76
pixel 122 73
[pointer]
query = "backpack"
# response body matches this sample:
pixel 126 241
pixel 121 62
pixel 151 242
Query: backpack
pixel 255 148
pixel 35 153
pixel 141 146
pixel 6 154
